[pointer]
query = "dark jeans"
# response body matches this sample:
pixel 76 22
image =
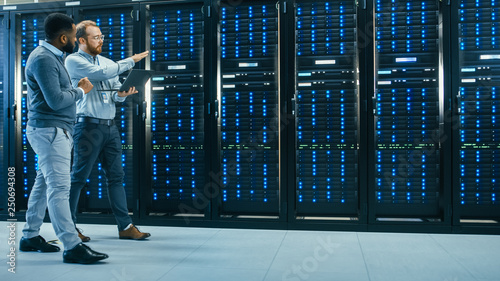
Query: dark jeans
pixel 92 142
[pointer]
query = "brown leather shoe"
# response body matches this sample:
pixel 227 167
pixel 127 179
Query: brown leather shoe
pixel 82 237
pixel 133 233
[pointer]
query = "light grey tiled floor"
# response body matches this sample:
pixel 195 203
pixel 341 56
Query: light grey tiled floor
pixel 176 253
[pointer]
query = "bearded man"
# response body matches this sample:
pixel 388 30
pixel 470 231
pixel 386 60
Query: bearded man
pixel 95 117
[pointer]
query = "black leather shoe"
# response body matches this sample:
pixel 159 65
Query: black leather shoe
pixel 82 254
pixel 36 244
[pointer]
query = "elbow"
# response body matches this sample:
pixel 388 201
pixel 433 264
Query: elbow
pixel 58 103
pixel 108 74
pixel 100 75
pixel 54 105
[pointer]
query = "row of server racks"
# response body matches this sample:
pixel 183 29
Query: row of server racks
pixel 355 115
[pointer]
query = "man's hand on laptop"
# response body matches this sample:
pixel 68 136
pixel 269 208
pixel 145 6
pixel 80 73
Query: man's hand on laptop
pixel 130 91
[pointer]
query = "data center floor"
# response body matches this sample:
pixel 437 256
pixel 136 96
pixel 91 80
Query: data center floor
pixel 182 253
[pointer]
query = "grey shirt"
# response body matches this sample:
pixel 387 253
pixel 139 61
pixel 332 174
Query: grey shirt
pixel 51 97
pixel 103 74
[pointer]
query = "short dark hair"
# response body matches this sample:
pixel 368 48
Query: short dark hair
pixel 57 23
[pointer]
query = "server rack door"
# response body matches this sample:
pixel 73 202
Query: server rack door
pixel 326 108
pixel 176 109
pixel 249 107
pixel 478 139
pixel 407 107
pixel 4 101
pixel 117 25
pixel 29 30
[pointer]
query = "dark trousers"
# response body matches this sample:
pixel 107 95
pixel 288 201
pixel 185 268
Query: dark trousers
pixel 99 142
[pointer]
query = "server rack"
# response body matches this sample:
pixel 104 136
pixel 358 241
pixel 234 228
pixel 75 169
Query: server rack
pixel 477 138
pixel 248 116
pixel 176 134
pixel 118 25
pixel 434 150
pixel 29 29
pixel 407 107
pixel 327 113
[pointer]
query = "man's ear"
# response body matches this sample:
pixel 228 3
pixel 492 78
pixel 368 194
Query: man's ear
pixel 81 41
pixel 63 39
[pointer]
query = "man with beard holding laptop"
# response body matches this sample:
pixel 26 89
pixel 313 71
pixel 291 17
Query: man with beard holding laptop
pixel 96 135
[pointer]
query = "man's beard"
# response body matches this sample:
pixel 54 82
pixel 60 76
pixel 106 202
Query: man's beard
pixel 94 51
pixel 68 48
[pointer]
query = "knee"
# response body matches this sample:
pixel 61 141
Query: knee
pixel 58 193
pixel 115 179
pixel 78 180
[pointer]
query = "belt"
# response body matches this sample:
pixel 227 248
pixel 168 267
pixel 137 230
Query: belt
pixel 107 122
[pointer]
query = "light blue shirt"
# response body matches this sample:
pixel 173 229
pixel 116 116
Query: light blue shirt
pixel 59 54
pixel 103 74
pixel 53 49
